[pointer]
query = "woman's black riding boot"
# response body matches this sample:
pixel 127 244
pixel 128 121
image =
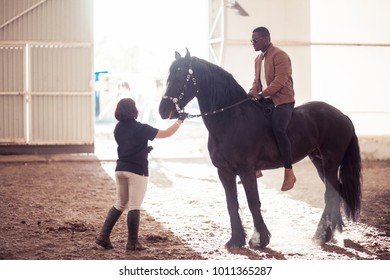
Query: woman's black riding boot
pixel 133 218
pixel 104 237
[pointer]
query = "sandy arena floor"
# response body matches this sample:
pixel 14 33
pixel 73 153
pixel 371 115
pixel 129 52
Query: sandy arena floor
pixel 52 207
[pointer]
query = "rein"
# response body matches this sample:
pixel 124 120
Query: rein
pixel 219 110
pixel 175 100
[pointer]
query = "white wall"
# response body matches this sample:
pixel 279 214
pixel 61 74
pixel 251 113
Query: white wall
pixel 352 68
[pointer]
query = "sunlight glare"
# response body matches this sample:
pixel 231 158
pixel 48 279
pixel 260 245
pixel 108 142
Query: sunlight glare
pixel 158 27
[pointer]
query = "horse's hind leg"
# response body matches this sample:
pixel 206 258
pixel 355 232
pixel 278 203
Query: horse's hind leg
pixel 316 159
pixel 238 237
pixel 331 217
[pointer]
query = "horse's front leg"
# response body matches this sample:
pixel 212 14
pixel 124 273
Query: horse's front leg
pixel 238 234
pixel 261 236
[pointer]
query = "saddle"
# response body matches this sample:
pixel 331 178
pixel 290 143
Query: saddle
pixel 266 105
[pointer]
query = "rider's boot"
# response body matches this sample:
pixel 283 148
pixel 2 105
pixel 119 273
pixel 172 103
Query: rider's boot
pixel 289 179
pixel 259 174
pixel 133 218
pixel 104 237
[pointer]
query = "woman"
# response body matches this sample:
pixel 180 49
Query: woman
pixel 131 170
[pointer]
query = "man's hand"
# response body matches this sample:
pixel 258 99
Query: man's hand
pixel 255 95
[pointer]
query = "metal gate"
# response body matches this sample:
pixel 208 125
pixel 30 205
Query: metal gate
pixel 46 75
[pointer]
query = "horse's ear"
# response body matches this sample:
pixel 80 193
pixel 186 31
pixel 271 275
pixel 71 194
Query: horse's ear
pixel 177 55
pixel 188 55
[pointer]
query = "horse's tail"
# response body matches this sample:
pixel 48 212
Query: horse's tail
pixel 350 178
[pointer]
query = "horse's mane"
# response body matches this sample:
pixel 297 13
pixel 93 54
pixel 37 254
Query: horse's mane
pixel 218 82
pixel 214 82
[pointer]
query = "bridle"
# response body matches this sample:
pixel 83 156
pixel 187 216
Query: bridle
pixel 175 100
pixel 191 77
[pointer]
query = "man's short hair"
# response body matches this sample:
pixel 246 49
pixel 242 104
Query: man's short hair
pixel 262 31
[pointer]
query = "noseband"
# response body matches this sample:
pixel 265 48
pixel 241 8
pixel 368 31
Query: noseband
pixel 191 77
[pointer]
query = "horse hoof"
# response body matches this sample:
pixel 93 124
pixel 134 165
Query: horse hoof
pixel 233 249
pixel 328 234
pixel 324 237
pixel 254 245
pixel 230 245
pixel 257 246
pixel 317 241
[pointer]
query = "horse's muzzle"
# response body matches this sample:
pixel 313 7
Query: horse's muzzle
pixel 167 111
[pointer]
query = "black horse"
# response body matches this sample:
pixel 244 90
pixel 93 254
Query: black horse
pixel 241 141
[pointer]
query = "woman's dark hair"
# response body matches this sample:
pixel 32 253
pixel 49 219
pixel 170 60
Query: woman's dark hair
pixel 126 110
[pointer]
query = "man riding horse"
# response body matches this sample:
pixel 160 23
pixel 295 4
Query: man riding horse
pixel 273 80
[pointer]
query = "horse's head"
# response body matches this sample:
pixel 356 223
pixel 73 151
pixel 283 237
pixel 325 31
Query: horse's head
pixel 181 87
